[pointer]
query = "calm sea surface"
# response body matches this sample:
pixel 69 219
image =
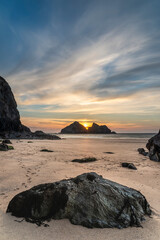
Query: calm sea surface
pixel 109 136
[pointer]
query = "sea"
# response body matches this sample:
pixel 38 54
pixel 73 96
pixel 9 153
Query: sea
pixel 110 136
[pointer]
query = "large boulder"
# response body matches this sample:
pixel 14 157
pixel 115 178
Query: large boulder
pixel 88 200
pixel 75 127
pixel 153 146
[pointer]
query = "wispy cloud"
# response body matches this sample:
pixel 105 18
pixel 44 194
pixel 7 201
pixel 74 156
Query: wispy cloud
pixel 96 60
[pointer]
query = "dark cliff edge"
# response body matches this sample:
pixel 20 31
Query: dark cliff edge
pixel 10 124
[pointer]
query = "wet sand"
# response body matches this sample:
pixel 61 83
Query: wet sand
pixel 26 166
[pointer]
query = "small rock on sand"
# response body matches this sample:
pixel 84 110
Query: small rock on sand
pixel 129 165
pixel 85 160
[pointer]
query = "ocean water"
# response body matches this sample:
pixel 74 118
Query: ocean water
pixel 110 136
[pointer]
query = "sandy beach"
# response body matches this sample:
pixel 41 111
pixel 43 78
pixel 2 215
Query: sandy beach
pixel 25 167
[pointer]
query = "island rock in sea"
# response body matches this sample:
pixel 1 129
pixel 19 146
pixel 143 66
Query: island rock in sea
pixel 76 127
pixel 153 146
pixel 10 124
pixel 88 200
pixel 102 129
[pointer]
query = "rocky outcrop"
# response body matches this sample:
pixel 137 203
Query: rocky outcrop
pixel 9 115
pixel 88 200
pixel 10 124
pixel 102 129
pixel 29 135
pixel 153 146
pixel 76 128
pixel 42 135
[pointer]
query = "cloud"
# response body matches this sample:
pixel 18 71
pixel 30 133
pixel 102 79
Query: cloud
pixel 96 60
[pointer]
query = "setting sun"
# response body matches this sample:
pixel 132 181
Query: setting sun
pixel 85 125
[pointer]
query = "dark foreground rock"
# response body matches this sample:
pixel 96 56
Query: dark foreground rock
pixel 153 146
pixel 88 200
pixel 10 124
pixel 85 160
pixel 129 165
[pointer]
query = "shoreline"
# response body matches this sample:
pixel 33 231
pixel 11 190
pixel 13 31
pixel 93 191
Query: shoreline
pixel 35 167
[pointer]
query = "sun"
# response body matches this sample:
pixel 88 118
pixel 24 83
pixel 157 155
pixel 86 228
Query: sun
pixel 85 125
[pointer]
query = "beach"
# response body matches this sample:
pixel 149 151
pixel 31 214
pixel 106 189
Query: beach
pixel 26 166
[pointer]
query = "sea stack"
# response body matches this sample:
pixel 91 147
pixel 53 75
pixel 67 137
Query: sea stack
pixel 77 128
pixel 102 129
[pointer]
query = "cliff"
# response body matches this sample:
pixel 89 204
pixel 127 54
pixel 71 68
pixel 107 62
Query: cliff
pixel 9 115
pixel 10 124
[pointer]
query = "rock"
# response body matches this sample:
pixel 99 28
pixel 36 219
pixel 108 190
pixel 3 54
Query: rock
pixel 96 129
pixel 3 147
pixel 85 160
pixel 42 135
pixel 46 150
pixel 129 165
pixel 9 115
pixel 10 147
pixel 142 151
pixel 113 132
pixel 6 141
pixel 88 200
pixel 75 127
pixel 109 152
pixel 31 135
pixel 153 146
pixel 10 124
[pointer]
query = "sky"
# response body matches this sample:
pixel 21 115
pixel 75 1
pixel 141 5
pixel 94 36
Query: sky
pixel 83 60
